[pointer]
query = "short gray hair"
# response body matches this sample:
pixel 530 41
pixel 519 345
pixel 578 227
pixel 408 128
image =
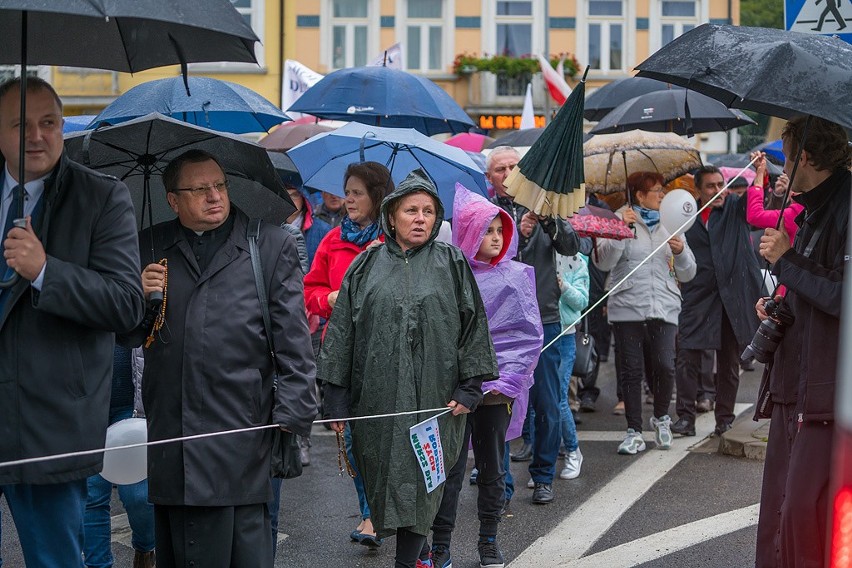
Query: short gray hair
pixel 499 150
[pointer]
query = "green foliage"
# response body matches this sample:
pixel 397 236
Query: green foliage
pixel 465 63
pixel 762 13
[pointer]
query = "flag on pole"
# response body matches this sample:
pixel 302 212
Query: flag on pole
pixel 528 115
pixel 426 441
pixel 555 81
pixel 297 79
pixel 391 57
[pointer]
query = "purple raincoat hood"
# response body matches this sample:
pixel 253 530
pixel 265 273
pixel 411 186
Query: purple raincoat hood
pixel 472 214
pixel 507 289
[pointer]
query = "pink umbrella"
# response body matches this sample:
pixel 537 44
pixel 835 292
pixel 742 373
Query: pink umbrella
pixel 469 141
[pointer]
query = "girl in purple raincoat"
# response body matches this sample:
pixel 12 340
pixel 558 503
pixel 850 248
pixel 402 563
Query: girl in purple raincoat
pixel 487 237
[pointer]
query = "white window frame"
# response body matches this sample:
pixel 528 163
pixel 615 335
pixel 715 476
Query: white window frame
pixel 628 24
pixel 258 24
pixel 447 24
pixel 327 24
pixel 490 20
pixel 655 38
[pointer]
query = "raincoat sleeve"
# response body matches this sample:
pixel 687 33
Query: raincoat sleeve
pixel 517 333
pixel 684 263
pixel 295 399
pixel 476 358
pixel 318 285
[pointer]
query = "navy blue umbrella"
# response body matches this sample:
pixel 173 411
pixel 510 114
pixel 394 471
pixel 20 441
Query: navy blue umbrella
pixel 381 96
pixel 212 103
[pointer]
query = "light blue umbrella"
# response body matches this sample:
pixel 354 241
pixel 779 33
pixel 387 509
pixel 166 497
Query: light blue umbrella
pixel 76 123
pixel 214 104
pixel 323 159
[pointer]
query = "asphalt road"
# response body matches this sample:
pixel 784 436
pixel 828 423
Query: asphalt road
pixel 687 506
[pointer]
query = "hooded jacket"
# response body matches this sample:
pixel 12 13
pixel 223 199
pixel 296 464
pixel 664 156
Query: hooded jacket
pixel 408 331
pixel 507 288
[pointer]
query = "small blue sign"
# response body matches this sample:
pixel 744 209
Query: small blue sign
pixel 822 17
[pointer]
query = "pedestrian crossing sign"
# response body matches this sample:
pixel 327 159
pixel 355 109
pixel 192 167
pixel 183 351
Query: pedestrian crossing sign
pixel 825 17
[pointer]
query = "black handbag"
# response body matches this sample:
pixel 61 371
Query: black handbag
pixel 586 356
pixel 286 462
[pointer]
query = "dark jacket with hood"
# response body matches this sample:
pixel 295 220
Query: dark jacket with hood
pixel 409 331
pixel 56 345
pixel 548 236
pixel 804 369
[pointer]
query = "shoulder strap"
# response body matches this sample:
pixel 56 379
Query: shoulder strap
pixel 252 232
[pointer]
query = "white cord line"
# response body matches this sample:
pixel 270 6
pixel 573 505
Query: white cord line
pixel 646 259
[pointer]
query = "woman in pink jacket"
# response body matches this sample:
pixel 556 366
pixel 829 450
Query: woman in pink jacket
pixel 757 215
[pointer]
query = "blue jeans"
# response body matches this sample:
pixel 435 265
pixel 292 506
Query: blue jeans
pixel 97 540
pixel 510 481
pixel 357 480
pixel 567 348
pixel 544 401
pixel 49 519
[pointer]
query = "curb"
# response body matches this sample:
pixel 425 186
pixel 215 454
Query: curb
pixel 746 439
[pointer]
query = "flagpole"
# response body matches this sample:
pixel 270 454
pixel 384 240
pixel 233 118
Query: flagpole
pixel 547 57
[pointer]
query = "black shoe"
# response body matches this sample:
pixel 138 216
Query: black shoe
pixel 684 427
pixel 542 493
pixel 721 429
pixel 305 451
pixel 490 555
pixel 577 419
pixel 523 455
pixel 587 404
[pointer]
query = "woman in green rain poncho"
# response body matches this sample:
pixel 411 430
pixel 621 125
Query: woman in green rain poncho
pixel 408 332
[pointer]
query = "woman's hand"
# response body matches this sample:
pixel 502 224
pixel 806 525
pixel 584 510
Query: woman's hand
pixel 332 298
pixel 338 426
pixel 781 185
pixel 759 167
pixel 629 216
pixel 676 244
pixel 458 408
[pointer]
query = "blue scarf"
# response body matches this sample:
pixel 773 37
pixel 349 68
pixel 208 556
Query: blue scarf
pixel 649 216
pixel 351 232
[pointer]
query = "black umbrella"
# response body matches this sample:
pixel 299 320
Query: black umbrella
pixel 285 168
pixel 606 98
pixel 523 138
pixel 774 72
pixel 137 152
pixel 549 179
pixel 677 111
pixel 120 35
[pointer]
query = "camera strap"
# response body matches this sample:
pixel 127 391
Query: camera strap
pixel 816 234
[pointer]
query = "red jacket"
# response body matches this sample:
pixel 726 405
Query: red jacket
pixel 332 259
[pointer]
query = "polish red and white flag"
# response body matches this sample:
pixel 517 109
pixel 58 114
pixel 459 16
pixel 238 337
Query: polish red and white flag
pixel 555 80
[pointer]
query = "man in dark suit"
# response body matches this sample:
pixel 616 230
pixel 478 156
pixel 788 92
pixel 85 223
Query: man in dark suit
pixel 77 261
pixel 210 369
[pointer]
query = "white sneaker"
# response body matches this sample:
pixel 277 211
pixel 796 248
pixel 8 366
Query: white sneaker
pixel 530 484
pixel 632 444
pixel 662 431
pixel 573 462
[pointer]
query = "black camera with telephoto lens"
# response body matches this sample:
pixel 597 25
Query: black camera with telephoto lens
pixel 768 336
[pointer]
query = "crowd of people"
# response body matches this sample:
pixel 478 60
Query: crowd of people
pixel 377 306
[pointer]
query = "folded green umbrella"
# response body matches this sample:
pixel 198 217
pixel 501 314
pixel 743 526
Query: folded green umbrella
pixel 549 179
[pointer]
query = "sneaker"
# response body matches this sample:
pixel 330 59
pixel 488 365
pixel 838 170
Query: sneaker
pixel 489 553
pixel 662 431
pixel 684 427
pixel 530 484
pixel 618 410
pixel 423 563
pixel 587 404
pixel 632 444
pixel 474 473
pixel 573 462
pixel 441 556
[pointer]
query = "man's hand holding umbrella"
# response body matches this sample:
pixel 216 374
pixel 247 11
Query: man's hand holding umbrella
pixel 24 252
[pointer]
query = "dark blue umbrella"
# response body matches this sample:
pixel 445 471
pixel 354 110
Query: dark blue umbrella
pixel 773 150
pixel 381 96
pixel 322 160
pixel 214 104
pixel 76 123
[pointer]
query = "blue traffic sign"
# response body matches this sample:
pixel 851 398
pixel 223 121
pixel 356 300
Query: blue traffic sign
pixel 824 17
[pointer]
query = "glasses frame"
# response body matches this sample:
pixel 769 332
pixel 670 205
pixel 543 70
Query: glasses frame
pixel 220 187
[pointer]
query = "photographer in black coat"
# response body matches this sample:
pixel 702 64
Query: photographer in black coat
pixel 802 375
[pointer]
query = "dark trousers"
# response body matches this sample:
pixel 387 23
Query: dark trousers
pixel 632 338
pixel 213 537
pixel 804 513
pixel 544 400
pixel 408 548
pixel 599 329
pixel 781 436
pixel 727 377
pixel 49 519
pixel 486 428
